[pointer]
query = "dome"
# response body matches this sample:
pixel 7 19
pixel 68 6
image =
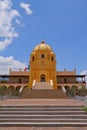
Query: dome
pixel 42 47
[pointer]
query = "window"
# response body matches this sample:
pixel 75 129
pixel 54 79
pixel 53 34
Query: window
pixel 65 80
pixel 52 58
pixel 20 80
pixel 42 56
pixel 33 58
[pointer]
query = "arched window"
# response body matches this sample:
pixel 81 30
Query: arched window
pixel 42 78
pixel 42 56
pixel 33 58
pixel 52 59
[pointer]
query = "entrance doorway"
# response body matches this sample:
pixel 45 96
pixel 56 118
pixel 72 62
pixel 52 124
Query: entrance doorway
pixel 42 78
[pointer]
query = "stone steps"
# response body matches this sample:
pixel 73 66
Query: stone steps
pixel 42 106
pixel 42 94
pixel 42 85
pixel 42 120
pixel 51 124
pixel 43 116
pixel 41 112
pixel 43 109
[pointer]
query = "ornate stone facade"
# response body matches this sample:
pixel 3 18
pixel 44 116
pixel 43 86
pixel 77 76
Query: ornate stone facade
pixel 43 64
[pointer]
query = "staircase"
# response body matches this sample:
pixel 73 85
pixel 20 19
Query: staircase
pixel 68 116
pixel 42 94
pixel 42 85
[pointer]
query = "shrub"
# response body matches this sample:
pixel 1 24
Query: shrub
pixel 4 81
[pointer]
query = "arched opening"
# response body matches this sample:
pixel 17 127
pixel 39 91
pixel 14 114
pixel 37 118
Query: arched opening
pixel 3 90
pixel 52 59
pixel 11 90
pixel 59 87
pixel 74 87
pixel 33 58
pixel 42 56
pixel 67 87
pixel 42 78
pixel 82 87
pixel 18 88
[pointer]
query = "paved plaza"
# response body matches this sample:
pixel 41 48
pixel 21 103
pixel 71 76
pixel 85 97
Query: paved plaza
pixel 43 128
pixel 58 102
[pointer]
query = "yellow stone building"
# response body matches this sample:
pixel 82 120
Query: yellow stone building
pixel 43 65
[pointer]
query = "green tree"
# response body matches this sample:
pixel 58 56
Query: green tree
pixel 3 90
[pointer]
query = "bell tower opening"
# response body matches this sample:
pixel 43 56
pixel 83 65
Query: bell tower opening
pixel 42 78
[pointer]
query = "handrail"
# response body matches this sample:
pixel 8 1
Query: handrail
pixel 71 83
pixel 21 89
pixel 13 83
pixel 34 82
pixel 63 89
pixel 51 82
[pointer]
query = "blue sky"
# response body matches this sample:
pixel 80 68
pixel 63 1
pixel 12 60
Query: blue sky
pixel 61 23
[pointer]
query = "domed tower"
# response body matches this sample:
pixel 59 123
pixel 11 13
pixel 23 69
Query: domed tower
pixel 43 65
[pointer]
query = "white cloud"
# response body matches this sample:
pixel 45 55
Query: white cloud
pixel 5 43
pixel 9 62
pixel 84 72
pixel 7 30
pixel 18 22
pixel 7 14
pixel 26 6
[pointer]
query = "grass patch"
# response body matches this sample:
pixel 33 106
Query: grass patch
pixel 85 108
pixel 1 107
